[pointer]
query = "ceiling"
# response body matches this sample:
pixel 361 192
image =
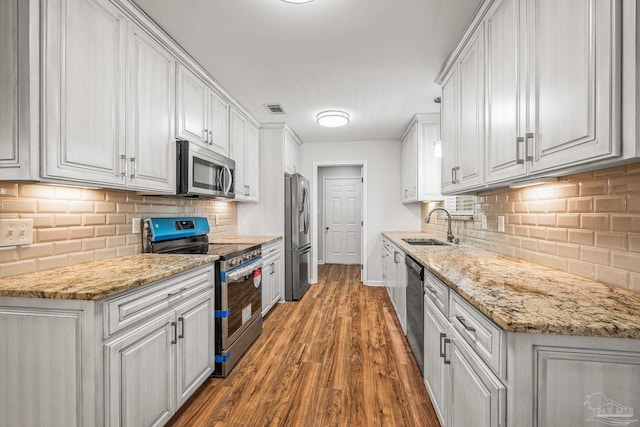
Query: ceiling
pixel 375 59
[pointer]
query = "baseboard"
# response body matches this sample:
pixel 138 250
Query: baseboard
pixel 320 262
pixel 374 283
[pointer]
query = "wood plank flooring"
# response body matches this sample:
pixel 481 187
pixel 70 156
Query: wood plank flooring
pixel 338 357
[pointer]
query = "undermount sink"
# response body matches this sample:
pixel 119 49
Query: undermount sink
pixel 426 242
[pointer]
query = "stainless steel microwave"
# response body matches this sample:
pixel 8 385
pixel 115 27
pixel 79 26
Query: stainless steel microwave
pixel 203 173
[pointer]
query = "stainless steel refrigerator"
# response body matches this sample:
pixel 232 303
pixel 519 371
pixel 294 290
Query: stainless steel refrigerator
pixel 297 242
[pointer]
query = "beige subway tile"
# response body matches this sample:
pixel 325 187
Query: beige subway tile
pixel 624 184
pixel 94 219
pixel 564 191
pixel 595 255
pixel 634 242
pixel 105 230
pixel 537 232
pixel 547 220
pixel 50 234
pixel 633 168
pixel 52 262
pixel 634 282
pixel 132 239
pixel 594 221
pixel 104 207
pixel 9 253
pixel 633 202
pixel 556 262
pixel 94 195
pixel 144 209
pixel 558 205
pixel 514 219
pixel 582 204
pixel 18 267
pixel 40 220
pixel 537 206
pixel 53 206
pixel 629 261
pixel 557 234
pixel 80 232
pixel 611 240
pixel 93 244
pixel 529 219
pixel 123 229
pixel 67 246
pixel 543 192
pixel 126 250
pixel 125 208
pixel 116 196
pixel 80 206
pixel 115 241
pixel 581 237
pixel 579 177
pixel 617 170
pixel 12 215
pixel 67 220
pixel 35 191
pixel 610 203
pixel 10 190
pixel 546 247
pixel 35 250
pixel 628 223
pixel 106 254
pixel 67 193
pixel 117 219
pixel 514 241
pixel 134 198
pixel 582 269
pixel 567 250
pixel 569 220
pixel 81 258
pixel 19 206
pixel 612 276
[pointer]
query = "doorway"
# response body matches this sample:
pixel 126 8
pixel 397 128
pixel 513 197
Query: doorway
pixel 341 218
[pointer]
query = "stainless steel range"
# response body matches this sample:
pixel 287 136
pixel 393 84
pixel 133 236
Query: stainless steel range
pixel 238 287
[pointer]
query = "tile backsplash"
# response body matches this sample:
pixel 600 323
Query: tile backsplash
pixel 76 225
pixel 586 224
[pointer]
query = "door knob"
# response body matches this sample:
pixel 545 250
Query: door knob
pixel 326 228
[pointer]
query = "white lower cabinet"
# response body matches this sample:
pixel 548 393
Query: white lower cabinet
pixel 394 273
pixel 435 370
pixel 271 276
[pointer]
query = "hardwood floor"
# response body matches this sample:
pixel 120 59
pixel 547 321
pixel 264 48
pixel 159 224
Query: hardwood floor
pixel 338 357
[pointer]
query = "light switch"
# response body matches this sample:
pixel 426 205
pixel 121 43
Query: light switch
pixel 15 232
pixel 135 225
pixel 501 224
pixel 484 222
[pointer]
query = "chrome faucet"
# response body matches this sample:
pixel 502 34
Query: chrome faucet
pixel 449 233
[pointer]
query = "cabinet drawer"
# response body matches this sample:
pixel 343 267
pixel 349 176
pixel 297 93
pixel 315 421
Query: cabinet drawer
pixel 128 309
pixel 479 332
pixel 270 250
pixel 437 292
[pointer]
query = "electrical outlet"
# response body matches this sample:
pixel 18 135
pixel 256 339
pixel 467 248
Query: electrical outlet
pixel 484 222
pixel 14 232
pixel 135 225
pixel 501 224
pixel 216 219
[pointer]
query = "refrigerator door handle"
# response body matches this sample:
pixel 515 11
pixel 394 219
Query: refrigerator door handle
pixel 305 249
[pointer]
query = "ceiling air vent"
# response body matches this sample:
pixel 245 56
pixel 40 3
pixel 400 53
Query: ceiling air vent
pixel 275 108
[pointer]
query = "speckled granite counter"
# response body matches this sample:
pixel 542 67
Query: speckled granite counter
pixel 520 296
pixel 100 279
pixel 254 240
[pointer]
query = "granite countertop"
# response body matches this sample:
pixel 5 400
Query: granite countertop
pixel 520 296
pixel 100 279
pixel 253 240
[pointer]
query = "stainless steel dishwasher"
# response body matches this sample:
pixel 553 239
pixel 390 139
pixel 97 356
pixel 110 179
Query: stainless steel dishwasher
pixel 415 315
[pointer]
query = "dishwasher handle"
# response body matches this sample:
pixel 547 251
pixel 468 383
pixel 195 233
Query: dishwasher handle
pixel 415 266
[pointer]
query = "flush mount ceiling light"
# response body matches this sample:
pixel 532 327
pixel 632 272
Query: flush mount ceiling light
pixel 297 1
pixel 332 118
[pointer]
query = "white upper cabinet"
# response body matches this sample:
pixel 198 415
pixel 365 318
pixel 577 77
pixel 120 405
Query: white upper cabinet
pixel 150 116
pixel 84 45
pixel 420 166
pixel 245 151
pixel 203 115
pixel 291 152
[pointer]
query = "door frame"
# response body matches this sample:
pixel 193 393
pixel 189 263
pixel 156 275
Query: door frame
pixel 324 214
pixel 314 217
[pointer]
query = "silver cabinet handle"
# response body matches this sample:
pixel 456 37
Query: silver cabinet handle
pixel 133 167
pixel 123 165
pixel 464 323
pixel 181 321
pixel 395 256
pixel 210 138
pixel 430 289
pixel 206 136
pixel 444 356
pixel 453 175
pixel 173 294
pixel 529 136
pixel 405 194
pixel 442 349
pixel 519 149
pixel 174 339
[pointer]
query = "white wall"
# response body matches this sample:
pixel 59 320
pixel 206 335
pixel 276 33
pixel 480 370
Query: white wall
pixel 385 210
pixel 330 172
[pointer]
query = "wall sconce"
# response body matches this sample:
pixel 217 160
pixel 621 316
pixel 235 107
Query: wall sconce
pixel 437 148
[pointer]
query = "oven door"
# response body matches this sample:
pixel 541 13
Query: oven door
pixel 241 300
pixel 202 172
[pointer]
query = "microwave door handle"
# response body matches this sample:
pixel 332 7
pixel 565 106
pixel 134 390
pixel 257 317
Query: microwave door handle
pixel 229 182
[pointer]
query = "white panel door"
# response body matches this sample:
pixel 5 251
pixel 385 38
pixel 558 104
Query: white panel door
pixel 218 126
pixel 505 142
pixel 191 107
pixel 195 358
pixel 449 130
pixel 84 91
pixel 141 375
pixel 150 112
pixel 574 95
pixel 343 227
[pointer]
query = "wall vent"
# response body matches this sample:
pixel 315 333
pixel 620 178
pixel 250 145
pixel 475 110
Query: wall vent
pixel 275 108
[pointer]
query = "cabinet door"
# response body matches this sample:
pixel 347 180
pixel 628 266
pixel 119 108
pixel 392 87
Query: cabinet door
pixel 84 44
pixel 435 370
pixel 251 162
pixel 471 140
pixel 505 144
pixel 267 286
pixel 429 166
pixel 195 358
pixel 449 130
pixel 218 126
pixel 238 136
pixel 291 153
pixel 277 281
pixel 150 111
pixel 410 165
pixel 141 375
pixel 574 91
pixel 476 397
pixel 191 107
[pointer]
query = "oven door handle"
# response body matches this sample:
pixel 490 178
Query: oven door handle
pixel 242 271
